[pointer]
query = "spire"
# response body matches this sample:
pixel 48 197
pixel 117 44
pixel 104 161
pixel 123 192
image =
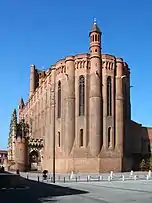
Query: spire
pixel 95 27
pixel 21 103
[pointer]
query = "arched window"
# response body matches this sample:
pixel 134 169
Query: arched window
pixel 81 95
pixel 109 137
pixel 59 99
pixel 81 137
pixel 109 96
pixel 93 38
pixel 96 39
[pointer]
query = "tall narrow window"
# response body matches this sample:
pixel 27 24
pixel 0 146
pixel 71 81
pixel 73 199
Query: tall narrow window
pixel 109 137
pixel 81 95
pixel 109 96
pixel 81 137
pixel 125 100
pixel 96 39
pixel 59 99
pixel 114 140
pixel 59 139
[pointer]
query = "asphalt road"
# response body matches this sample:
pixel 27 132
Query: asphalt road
pixel 29 191
pixel 111 192
pixel 88 192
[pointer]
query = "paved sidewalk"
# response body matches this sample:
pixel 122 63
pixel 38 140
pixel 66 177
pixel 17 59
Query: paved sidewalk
pixel 111 192
pixel 127 191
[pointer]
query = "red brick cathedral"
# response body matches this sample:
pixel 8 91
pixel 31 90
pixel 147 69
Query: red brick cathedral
pixel 84 102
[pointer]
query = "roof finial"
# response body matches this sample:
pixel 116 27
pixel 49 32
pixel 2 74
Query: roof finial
pixel 95 21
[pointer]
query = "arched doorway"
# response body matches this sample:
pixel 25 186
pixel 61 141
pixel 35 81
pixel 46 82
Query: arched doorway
pixel 34 160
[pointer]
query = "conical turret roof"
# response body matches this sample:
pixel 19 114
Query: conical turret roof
pixel 95 27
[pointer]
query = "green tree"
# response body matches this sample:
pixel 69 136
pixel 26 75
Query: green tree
pixel 150 163
pixel 14 120
pixel 143 165
pixel 13 123
pixel 14 116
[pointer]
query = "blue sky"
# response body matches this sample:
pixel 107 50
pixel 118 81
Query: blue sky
pixel 43 31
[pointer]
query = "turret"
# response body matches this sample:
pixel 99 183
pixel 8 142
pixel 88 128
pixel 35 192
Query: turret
pixel 119 105
pixel 20 108
pixel 21 103
pixel 21 153
pixel 53 113
pixel 21 147
pixel 32 80
pixel 95 41
pixel 95 90
pixel 70 104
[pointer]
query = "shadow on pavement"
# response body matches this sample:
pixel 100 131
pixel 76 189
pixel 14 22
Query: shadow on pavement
pixel 28 191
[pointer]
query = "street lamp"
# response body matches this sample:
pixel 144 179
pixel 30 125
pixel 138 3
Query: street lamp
pixel 31 123
pixel 53 124
pixel 123 76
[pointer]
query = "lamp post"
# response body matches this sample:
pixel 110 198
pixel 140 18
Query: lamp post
pixel 53 125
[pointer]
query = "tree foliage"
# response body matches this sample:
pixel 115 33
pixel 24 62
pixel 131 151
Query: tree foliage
pixel 14 116
pixel 13 122
pixel 20 128
pixel 146 164
pixel 143 165
pixel 150 163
